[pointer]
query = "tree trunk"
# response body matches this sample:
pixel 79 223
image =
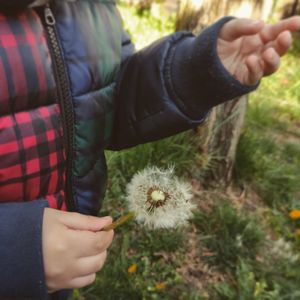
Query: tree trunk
pixel 291 9
pixel 219 136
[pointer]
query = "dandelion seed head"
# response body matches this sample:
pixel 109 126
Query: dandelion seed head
pixel 159 199
pixel 158 195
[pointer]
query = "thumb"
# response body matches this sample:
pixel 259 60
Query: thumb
pixel 237 28
pixel 78 221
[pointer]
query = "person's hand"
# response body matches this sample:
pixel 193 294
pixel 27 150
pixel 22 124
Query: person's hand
pixel 73 248
pixel 250 49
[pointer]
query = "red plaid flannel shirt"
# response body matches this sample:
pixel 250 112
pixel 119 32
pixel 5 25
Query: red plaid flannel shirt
pixel 32 162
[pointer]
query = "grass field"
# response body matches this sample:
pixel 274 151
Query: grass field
pixel 241 243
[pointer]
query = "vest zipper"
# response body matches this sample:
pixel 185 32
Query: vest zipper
pixel 65 100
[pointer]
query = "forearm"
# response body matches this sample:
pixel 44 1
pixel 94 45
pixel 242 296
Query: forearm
pixel 197 78
pixel 170 87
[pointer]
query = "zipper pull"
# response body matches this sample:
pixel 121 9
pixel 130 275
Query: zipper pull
pixel 49 17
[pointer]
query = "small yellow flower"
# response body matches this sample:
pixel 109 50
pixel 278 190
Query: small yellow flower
pixel 132 268
pixel 294 214
pixel 160 286
pixel 298 232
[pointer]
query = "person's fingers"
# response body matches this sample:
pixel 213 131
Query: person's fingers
pixel 102 241
pixel 82 222
pixel 90 243
pixel 255 70
pixel 270 32
pixel 92 264
pixel 283 42
pixel 81 282
pixel 237 28
pixel 75 283
pixel 271 61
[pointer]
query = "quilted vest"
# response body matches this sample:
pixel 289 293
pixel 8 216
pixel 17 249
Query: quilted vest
pixel 58 66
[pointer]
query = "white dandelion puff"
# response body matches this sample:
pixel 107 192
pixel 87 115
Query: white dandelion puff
pixel 158 199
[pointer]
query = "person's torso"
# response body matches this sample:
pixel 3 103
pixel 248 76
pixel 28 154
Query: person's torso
pixel 58 64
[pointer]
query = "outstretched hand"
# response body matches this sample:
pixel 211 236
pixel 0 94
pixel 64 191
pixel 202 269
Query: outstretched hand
pixel 251 49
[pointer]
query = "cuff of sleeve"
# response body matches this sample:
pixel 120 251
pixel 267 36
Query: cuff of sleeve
pixel 21 259
pixel 198 79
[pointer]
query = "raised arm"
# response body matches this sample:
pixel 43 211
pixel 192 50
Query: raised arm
pixel 171 85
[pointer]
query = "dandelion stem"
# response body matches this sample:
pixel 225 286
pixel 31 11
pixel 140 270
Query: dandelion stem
pixel 119 222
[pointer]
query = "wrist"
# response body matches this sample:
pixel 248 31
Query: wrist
pixel 199 79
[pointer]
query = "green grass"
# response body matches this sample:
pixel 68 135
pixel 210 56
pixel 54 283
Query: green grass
pixel 269 150
pixel 272 169
pixel 246 286
pixel 148 27
pixel 148 252
pixel 227 251
pixel 230 235
pixel 268 161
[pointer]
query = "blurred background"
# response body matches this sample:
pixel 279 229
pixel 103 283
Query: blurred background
pixel 244 166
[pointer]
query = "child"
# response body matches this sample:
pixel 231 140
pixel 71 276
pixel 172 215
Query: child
pixel 70 87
